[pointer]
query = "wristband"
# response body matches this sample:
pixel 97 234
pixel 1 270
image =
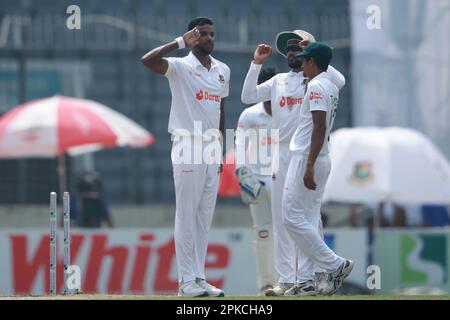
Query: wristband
pixel 180 42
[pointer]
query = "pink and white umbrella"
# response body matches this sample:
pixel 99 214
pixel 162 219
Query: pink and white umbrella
pixel 58 125
pixel 54 126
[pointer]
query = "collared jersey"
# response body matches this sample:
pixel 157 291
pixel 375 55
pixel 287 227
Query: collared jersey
pixel 254 141
pixel 196 94
pixel 286 92
pixel 321 95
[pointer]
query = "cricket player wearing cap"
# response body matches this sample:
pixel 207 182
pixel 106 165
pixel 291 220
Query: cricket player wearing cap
pixel 198 83
pixel 286 92
pixel 254 144
pixel 310 166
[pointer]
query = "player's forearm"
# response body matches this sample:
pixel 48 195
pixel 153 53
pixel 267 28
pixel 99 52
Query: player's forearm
pixel 154 57
pixel 336 77
pixel 250 91
pixel 317 139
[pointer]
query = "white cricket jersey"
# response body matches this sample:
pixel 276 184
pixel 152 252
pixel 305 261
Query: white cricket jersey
pixel 254 141
pixel 196 94
pixel 321 95
pixel 286 92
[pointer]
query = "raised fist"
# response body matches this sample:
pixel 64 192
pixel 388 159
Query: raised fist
pixel 262 53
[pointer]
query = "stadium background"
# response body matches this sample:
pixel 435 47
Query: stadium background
pixel 102 62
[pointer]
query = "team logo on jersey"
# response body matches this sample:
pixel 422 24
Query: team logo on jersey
pixel 204 95
pixel 362 174
pixel 221 79
pixel 290 102
pixel 315 96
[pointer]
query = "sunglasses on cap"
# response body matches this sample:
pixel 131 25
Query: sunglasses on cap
pixel 293 47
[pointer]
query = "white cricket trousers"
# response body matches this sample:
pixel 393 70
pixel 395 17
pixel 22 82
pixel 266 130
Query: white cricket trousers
pixel 261 213
pixel 196 187
pixel 290 263
pixel 301 208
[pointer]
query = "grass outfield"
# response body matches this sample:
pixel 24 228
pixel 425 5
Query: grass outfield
pixel 143 297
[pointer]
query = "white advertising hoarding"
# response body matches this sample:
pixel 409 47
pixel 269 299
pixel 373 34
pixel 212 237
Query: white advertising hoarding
pixel 140 261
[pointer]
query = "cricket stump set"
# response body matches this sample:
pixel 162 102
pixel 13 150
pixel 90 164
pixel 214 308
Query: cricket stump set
pixel 53 241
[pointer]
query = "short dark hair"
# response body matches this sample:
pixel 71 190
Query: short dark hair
pixel 199 21
pixel 266 74
pixel 323 65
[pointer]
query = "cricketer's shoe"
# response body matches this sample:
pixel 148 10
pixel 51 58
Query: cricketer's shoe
pixel 305 288
pixel 279 289
pixel 336 278
pixel 321 283
pixel 210 289
pixel 192 289
pixel 263 290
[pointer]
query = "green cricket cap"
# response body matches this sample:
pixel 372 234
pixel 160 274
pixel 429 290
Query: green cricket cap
pixel 321 52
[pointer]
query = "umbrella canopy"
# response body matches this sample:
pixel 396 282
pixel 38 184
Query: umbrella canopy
pixel 54 126
pixel 386 164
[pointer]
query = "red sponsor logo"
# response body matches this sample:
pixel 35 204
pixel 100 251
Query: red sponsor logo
pixel 290 102
pixel 129 265
pixel 294 101
pixel 204 95
pixel 315 96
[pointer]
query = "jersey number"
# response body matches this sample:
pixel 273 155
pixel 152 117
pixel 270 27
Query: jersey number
pixel 334 106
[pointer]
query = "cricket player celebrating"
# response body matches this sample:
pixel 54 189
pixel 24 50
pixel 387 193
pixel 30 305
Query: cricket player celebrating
pixel 254 173
pixel 310 166
pixel 198 83
pixel 286 92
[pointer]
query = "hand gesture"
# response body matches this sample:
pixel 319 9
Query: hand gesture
pixel 191 38
pixel 262 53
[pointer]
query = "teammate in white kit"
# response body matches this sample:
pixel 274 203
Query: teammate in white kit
pixel 255 123
pixel 198 83
pixel 310 166
pixel 286 92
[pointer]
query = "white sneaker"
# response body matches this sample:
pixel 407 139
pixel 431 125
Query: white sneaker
pixel 305 288
pixel 210 289
pixel 191 289
pixel 336 278
pixel 321 282
pixel 279 289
